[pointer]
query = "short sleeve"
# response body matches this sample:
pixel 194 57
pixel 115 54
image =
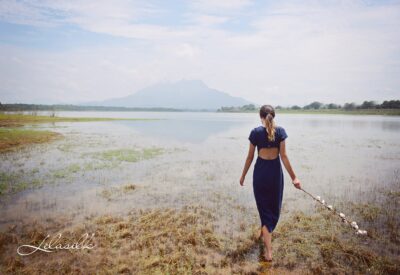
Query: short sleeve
pixel 283 134
pixel 252 137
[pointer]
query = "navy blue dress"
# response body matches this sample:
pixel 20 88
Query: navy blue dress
pixel 268 177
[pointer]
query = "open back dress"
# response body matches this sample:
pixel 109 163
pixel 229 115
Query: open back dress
pixel 268 177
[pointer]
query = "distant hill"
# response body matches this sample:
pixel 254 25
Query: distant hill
pixel 184 94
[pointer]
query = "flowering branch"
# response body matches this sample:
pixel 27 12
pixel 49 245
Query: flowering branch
pixel 340 214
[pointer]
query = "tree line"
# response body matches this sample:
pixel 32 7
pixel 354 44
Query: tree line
pixel 387 104
pixel 19 107
pixel 316 105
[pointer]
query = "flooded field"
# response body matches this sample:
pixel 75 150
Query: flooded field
pixel 117 168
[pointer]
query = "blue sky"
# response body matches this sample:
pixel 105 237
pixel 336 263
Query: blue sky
pixel 276 52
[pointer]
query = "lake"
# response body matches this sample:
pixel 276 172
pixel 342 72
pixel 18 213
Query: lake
pixel 193 158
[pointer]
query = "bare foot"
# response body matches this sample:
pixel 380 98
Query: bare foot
pixel 268 257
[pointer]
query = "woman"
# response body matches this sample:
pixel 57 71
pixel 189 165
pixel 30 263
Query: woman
pixel 268 175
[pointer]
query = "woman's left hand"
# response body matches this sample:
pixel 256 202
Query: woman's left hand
pixel 297 183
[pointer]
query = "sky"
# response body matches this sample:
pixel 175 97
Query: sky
pixel 268 52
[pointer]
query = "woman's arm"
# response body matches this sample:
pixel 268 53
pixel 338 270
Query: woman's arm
pixel 286 163
pixel 248 162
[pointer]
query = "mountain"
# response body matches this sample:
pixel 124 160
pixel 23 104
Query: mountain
pixel 184 94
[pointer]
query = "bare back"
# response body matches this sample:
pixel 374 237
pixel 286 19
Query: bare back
pixel 268 153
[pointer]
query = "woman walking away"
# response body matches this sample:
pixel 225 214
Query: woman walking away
pixel 268 176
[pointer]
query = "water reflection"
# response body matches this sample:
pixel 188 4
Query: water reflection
pixel 195 131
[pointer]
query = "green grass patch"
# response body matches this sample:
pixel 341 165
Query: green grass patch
pixel 92 165
pixel 15 182
pixel 67 171
pixel 74 168
pixel 129 155
pixel 12 138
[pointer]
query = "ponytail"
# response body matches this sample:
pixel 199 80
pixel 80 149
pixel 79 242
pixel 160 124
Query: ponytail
pixel 268 113
pixel 270 125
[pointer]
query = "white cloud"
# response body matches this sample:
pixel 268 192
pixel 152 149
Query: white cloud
pixel 206 20
pixel 187 50
pixel 220 5
pixel 291 53
pixel 119 17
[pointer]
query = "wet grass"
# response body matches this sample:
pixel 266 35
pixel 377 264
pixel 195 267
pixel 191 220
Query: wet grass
pixel 75 168
pixel 13 138
pixel 382 217
pixel 186 241
pixel 129 154
pixel 15 182
pixel 12 182
pixel 116 192
pixel 99 165
pixel 367 211
pixel 159 241
pixel 14 120
pixel 321 244
pixel 67 171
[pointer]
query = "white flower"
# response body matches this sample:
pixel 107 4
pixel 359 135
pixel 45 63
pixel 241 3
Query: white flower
pixel 330 207
pixel 355 226
pixel 323 202
pixel 361 232
pixel 342 215
pixel 353 223
pixel 318 198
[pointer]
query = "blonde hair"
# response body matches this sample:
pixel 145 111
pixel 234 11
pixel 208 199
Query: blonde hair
pixel 268 113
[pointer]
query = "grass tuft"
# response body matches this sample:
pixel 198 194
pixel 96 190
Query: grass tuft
pixel 12 138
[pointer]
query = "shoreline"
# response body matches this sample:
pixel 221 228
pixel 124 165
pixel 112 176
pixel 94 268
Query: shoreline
pixel 13 137
pixel 17 119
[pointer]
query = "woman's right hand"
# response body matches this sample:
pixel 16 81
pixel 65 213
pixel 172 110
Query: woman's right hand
pixel 296 183
pixel 241 180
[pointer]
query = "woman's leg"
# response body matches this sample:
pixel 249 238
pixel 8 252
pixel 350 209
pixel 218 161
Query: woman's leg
pixel 267 236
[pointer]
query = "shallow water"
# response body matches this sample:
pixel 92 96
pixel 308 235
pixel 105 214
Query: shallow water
pixel 334 156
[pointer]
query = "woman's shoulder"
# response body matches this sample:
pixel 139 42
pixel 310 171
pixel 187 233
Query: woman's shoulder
pixel 281 131
pixel 279 128
pixel 258 128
